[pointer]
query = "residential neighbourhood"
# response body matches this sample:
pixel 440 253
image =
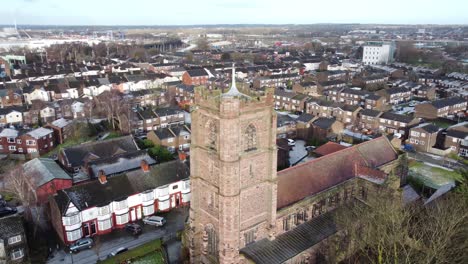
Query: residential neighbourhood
pixel 231 145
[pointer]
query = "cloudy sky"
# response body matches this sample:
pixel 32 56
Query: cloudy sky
pixel 192 12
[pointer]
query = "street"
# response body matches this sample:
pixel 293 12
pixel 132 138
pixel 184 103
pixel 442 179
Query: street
pixel 121 238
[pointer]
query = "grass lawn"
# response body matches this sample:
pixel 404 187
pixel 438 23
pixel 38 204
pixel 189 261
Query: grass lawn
pixel 153 258
pixel 113 134
pixel 150 250
pixel 433 177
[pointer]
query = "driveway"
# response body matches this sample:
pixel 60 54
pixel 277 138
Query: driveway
pixel 120 238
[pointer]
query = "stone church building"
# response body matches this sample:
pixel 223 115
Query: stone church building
pixel 244 211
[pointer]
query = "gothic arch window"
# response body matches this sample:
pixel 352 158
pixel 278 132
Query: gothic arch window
pixel 250 138
pixel 212 134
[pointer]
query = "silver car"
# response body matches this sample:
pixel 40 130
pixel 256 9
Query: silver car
pixel 81 244
pixel 154 220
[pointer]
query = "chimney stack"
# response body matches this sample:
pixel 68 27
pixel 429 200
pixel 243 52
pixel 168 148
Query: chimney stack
pixel 144 166
pixel 102 177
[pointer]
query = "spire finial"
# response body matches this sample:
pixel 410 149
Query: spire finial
pixel 233 91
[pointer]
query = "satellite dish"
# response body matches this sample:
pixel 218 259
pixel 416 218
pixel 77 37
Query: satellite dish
pixel 2 74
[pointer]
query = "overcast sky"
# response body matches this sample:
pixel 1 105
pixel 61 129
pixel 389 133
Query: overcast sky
pixel 192 12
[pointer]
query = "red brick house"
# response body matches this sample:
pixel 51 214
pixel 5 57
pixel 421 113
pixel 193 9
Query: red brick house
pixel 33 143
pixel 47 177
pixel 195 77
pixel 62 129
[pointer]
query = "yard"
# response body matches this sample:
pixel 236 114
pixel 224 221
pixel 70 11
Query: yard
pixel 145 254
pixel 432 176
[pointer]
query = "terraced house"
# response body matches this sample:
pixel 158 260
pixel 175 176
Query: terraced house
pixel 101 206
pixel 441 108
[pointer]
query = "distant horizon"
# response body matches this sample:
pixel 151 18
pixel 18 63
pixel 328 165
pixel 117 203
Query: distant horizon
pixel 229 24
pixel 232 12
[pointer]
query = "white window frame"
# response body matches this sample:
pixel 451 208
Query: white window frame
pixel 14 239
pixel 105 224
pixel 121 219
pixel 17 253
pixel 74 235
pixel 71 219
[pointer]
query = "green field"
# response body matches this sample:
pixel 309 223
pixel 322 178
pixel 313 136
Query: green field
pixel 431 176
pixel 147 253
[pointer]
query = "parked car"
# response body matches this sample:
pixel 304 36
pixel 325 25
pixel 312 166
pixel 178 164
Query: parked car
pixel 80 244
pixel 4 211
pixel 114 253
pixel 134 229
pixel 154 220
pixel 291 142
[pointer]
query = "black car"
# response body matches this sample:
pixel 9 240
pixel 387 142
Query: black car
pixel 134 229
pixel 4 211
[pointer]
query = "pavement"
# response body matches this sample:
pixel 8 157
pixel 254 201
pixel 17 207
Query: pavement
pixel 121 238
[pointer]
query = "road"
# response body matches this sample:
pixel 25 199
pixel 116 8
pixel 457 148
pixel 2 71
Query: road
pixel 120 238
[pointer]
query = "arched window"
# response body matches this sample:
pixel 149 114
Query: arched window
pixel 212 240
pixel 212 134
pixel 250 138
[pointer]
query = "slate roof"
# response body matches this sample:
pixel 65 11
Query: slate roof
pixel 101 149
pixel 159 175
pixel 283 120
pixel 40 132
pixel 448 102
pixel 11 226
pixel 429 128
pixel 305 118
pixel 197 72
pixel 44 171
pixel 329 148
pixel 370 112
pixel 395 90
pixel 119 187
pixel 292 243
pixel 396 117
pixel 167 111
pixel 324 123
pixel 61 122
pixel 94 193
pixel 309 178
pixel 120 163
pixel 457 133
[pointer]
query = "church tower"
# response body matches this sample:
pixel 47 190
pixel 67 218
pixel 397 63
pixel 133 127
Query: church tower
pixel 233 172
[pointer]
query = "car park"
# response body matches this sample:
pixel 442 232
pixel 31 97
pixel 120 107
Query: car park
pixel 118 251
pixel 80 244
pixel 154 220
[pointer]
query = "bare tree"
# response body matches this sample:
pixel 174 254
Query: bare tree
pixel 384 230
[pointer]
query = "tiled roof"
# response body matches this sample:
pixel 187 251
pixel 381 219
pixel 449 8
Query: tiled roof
pixel 309 178
pixel 329 148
